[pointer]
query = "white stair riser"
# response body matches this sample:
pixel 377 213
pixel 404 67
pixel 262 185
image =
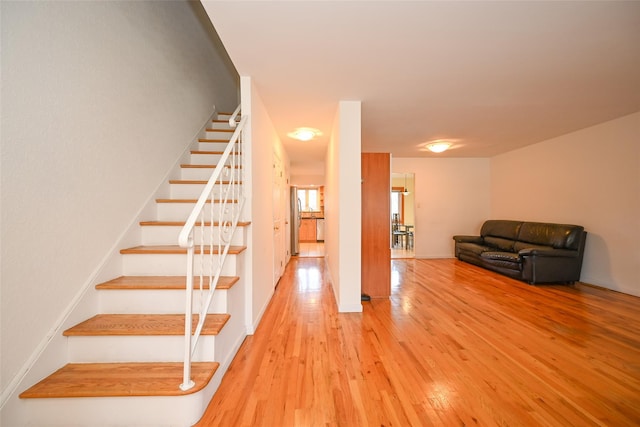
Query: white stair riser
pixel 218 134
pixel 196 173
pixel 188 191
pixel 212 146
pixel 166 348
pixel 181 211
pixel 193 191
pixel 218 148
pixel 203 174
pixel 220 125
pixel 207 159
pixel 218 141
pixel 141 411
pixel 170 265
pixel 158 301
pixel 164 235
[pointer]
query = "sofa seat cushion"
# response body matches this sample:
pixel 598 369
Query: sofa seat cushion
pixel 503 260
pixel 523 245
pixel 474 248
pixel 502 256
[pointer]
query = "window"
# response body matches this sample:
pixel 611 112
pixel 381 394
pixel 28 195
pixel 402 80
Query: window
pixel 309 199
pixel 397 205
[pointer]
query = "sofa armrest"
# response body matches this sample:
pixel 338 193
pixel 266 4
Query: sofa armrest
pixel 548 252
pixel 549 265
pixel 468 239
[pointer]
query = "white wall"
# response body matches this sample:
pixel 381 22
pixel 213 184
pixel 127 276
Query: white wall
pixel 332 209
pixel 590 177
pixel 309 173
pixel 451 197
pixel 99 99
pixel 263 141
pixel 343 207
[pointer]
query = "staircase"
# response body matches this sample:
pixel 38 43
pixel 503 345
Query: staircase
pixel 125 364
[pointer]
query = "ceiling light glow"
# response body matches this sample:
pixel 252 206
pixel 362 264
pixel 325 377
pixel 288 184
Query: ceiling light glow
pixel 304 134
pixel 438 146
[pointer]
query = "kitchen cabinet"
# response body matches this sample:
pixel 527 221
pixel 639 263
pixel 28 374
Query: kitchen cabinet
pixel 308 230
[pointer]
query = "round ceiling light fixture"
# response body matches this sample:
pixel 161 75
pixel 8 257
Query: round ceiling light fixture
pixel 304 134
pixel 438 146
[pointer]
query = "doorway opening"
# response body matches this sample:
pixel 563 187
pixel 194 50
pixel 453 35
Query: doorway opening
pixel 308 221
pixel 402 215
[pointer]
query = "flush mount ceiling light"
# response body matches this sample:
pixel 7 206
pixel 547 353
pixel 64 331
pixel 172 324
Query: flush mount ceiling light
pixel 304 134
pixel 438 146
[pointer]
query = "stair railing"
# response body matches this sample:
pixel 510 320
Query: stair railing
pixel 214 219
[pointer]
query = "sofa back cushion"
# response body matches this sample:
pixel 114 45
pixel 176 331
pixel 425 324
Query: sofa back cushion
pixel 499 243
pixel 500 234
pixel 501 228
pixel 558 236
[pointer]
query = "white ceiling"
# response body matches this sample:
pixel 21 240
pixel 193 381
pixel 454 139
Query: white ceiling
pixel 491 76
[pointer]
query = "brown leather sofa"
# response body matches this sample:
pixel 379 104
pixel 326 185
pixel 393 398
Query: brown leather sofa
pixel 533 252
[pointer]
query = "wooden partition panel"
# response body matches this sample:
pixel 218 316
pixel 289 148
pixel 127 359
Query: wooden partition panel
pixel 376 224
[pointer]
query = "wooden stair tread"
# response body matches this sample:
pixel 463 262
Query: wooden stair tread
pixel 121 379
pixel 224 140
pixel 175 249
pixel 216 140
pixel 187 166
pixel 187 181
pixel 190 201
pixel 196 181
pixel 163 283
pixel 209 152
pixel 219 130
pixel 181 223
pixel 144 324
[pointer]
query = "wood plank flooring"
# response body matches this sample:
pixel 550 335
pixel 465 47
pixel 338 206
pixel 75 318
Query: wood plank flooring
pixel 311 249
pixel 454 345
pixel 400 253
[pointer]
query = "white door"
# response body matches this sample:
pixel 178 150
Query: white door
pixel 279 201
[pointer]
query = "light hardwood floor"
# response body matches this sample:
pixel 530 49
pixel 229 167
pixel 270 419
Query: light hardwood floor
pixel 317 250
pixel 401 253
pixel 454 345
pixel 311 249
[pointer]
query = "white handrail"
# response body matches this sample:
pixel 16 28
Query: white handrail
pixel 227 192
pixel 183 238
pixel 232 119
